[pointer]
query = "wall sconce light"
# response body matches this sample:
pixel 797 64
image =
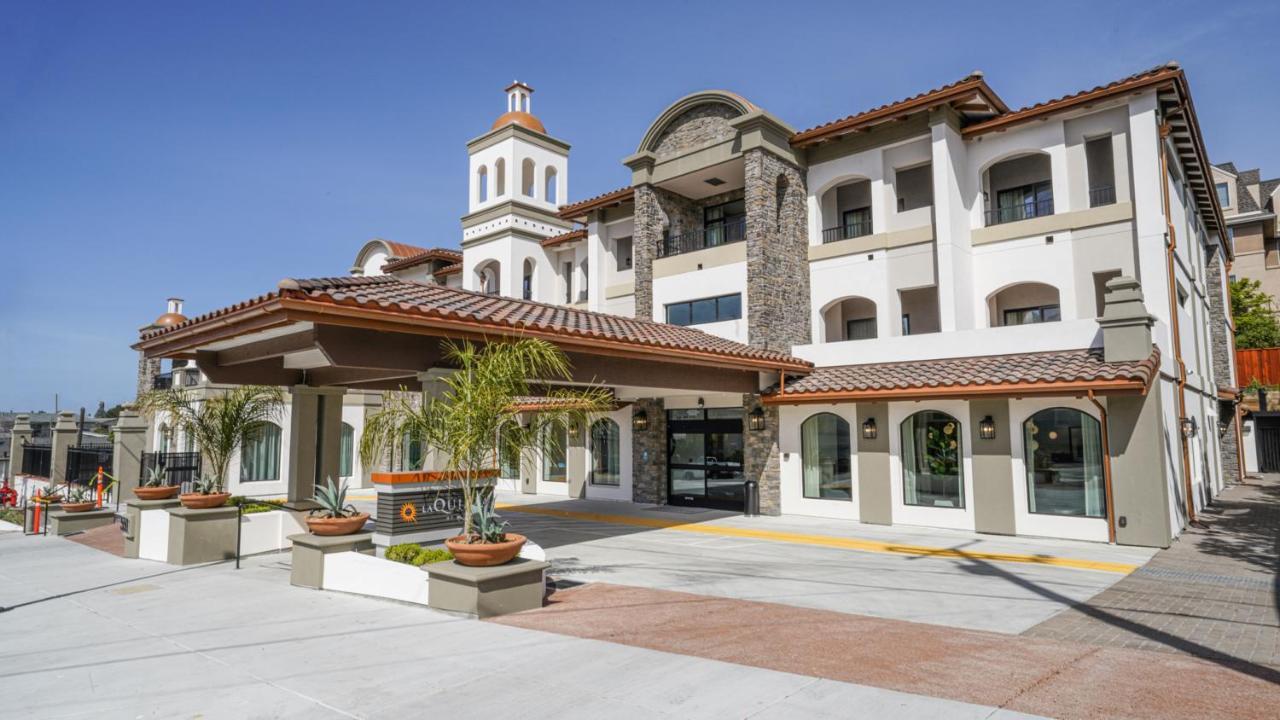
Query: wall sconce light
pixel 1189 427
pixel 987 428
pixel 701 403
pixel 640 421
pixel 755 419
pixel 574 430
pixel 869 429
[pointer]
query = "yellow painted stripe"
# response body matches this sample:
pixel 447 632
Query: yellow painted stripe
pixel 844 543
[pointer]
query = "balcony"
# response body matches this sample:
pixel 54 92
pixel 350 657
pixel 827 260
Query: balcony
pixel 1021 211
pixel 848 231
pixel 1102 195
pixel 163 381
pixel 732 230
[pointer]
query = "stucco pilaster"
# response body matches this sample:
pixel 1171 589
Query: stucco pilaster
pixel 64 436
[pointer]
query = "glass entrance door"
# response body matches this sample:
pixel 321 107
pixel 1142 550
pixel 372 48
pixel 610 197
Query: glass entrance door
pixel 704 458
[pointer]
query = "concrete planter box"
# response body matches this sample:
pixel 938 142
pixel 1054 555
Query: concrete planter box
pixel 62 522
pixel 311 555
pixel 146 529
pixel 269 531
pixel 487 591
pixel 201 535
pixel 422 491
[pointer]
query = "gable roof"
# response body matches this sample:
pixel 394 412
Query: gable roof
pixel 604 200
pixel 445 254
pixel 1052 372
pixel 566 237
pixel 383 299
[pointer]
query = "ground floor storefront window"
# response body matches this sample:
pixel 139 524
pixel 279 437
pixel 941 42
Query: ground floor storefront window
pixel 260 454
pixel 1063 449
pixel 606 465
pixel 933 475
pixel 554 464
pixel 824 449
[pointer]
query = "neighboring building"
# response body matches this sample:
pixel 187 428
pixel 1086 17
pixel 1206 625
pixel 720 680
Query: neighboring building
pixel 938 312
pixel 1249 205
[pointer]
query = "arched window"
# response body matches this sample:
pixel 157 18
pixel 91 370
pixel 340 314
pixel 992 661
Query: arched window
pixel 526 284
pixel 527 177
pixel 825 453
pixel 487 277
pixel 606 467
pixel 1063 450
pixel 165 441
pixel 1025 304
pixel 346 451
pixel 932 471
pixel 1019 188
pixel 260 453
pixel 499 177
pixel 410 452
pixel 851 318
pixel 482 184
pixel 554 465
pixel 549 187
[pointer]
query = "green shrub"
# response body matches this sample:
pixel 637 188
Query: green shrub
pixel 416 555
pixel 13 515
pixel 253 505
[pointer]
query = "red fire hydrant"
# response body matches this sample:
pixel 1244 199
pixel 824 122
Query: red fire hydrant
pixel 8 496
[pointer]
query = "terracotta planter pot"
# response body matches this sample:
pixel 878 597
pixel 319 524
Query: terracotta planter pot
pixel 196 501
pixel 485 554
pixel 79 507
pixel 158 492
pixel 50 499
pixel 337 526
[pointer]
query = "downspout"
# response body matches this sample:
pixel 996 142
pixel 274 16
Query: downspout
pixel 1106 469
pixel 1170 247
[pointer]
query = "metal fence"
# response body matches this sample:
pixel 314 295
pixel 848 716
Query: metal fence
pixel 37 459
pixel 181 468
pixel 83 462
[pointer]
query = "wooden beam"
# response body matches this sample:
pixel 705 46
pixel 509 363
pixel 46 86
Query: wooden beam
pixel 272 347
pixel 320 377
pixel 351 347
pixel 604 370
pixel 270 371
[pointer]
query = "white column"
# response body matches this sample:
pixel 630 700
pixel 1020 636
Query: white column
pixel 956 304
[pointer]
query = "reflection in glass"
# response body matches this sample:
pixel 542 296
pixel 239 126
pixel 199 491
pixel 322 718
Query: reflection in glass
pixel 554 467
pixel 1063 449
pixel 605 462
pixel 824 449
pixel 931 460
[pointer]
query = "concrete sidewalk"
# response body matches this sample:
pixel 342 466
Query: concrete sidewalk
pixel 87 634
pixel 904 576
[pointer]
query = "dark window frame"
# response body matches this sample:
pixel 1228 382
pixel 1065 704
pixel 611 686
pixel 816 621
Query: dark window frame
pixel 689 306
pixel 1041 308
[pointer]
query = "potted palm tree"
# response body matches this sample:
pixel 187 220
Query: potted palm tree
pixel 156 486
pixel 478 418
pixel 335 516
pixel 219 426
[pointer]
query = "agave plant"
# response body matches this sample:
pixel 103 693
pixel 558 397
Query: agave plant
pixel 333 501
pixel 48 491
pixel 156 477
pixel 206 485
pixel 78 494
pixel 486 525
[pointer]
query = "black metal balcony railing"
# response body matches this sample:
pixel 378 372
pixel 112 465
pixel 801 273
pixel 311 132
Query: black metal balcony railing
pixel 181 468
pixel 163 381
pixel 1102 195
pixel 1021 211
pixel 730 231
pixel 847 231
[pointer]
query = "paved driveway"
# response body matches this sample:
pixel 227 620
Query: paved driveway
pixel 931 576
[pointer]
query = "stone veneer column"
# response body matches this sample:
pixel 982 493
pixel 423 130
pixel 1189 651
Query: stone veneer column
pixel 777 253
pixel 647 235
pixel 760 460
pixel 649 454
pixel 126 459
pixel 64 436
pixel 1223 350
pixel 21 434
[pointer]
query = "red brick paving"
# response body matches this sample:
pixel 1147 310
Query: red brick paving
pixel 1033 675
pixel 107 538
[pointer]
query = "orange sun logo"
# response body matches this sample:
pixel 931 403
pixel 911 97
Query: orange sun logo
pixel 409 513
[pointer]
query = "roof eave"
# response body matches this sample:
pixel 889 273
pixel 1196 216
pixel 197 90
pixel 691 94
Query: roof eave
pixel 1131 386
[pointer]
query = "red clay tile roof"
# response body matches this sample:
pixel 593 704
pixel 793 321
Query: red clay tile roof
pixel 613 197
pixel 476 312
pixel 449 270
pixel 1146 77
pixel 567 237
pixel 1023 372
pixel 972 83
pixel 452 256
pixel 402 250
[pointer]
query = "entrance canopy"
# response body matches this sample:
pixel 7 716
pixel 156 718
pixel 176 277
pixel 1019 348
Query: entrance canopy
pixel 379 333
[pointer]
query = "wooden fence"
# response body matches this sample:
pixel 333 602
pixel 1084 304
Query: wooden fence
pixel 1260 363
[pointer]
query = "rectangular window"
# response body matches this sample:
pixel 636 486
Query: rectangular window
pixel 1224 195
pixel 906 324
pixel 1032 315
pixel 914 187
pixel 568 282
pixel 622 251
pixel 705 310
pixel 864 329
pixel 724 223
pixel 1021 203
pixel 855 223
pixel 1102 172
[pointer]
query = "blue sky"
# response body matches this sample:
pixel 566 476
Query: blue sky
pixel 208 150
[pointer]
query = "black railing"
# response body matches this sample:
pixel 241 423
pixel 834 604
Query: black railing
pixel 730 231
pixel 163 381
pixel 847 231
pixel 83 463
pixel 1102 195
pixel 1021 211
pixel 37 459
pixel 181 468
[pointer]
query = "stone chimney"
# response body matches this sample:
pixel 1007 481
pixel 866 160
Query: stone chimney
pixel 1126 324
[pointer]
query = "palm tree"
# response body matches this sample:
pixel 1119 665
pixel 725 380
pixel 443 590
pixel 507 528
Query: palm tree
pixel 219 425
pixel 477 418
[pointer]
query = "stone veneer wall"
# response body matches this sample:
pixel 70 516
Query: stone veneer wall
pixel 695 127
pixel 1223 358
pixel 777 253
pixel 760 454
pixel 644 247
pixel 148 369
pixel 649 454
